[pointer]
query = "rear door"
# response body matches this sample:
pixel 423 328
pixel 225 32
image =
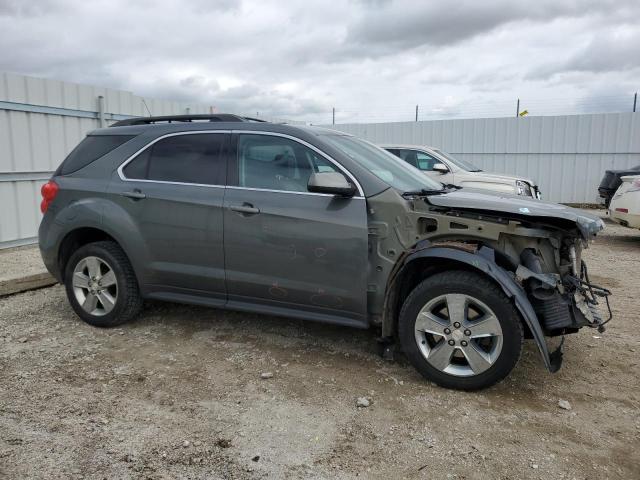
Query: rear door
pixel 173 191
pixel 285 247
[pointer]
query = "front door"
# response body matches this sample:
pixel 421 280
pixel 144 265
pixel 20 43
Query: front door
pixel 173 191
pixel 285 247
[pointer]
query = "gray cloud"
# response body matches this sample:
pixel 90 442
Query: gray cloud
pixel 393 26
pixel 302 57
pixel 619 51
pixel 20 8
pixel 616 50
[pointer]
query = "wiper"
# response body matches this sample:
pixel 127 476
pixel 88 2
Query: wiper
pixel 423 192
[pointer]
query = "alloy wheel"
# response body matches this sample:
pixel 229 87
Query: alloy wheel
pixel 458 334
pixel 95 286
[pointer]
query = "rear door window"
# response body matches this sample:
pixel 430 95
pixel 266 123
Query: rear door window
pixel 90 149
pixel 190 158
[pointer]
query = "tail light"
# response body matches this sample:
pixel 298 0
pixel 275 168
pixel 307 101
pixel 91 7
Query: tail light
pixel 622 210
pixel 49 191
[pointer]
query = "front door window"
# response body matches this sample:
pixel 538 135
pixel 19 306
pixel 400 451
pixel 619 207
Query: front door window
pixel 420 160
pixel 277 163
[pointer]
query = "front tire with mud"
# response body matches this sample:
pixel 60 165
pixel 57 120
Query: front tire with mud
pixel 460 330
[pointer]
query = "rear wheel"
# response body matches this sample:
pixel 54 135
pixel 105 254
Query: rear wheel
pixel 101 285
pixel 460 330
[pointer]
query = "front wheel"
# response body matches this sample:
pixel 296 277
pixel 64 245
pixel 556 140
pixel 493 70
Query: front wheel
pixel 101 285
pixel 460 330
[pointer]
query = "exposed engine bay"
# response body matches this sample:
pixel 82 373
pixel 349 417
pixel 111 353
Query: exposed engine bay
pixel 542 254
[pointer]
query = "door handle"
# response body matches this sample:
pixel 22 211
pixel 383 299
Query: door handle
pixel 245 208
pixel 136 194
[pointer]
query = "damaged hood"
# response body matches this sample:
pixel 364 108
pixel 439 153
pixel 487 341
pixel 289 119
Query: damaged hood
pixel 517 206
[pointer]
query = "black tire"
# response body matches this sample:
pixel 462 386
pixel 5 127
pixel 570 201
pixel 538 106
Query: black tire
pixel 481 288
pixel 128 302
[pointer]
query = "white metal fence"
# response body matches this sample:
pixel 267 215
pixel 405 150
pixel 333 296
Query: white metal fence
pixel 41 121
pixel 567 155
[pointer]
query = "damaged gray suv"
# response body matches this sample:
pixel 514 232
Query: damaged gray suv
pixel 309 223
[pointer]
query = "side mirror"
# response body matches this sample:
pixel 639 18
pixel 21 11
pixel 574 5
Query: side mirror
pixel 333 183
pixel 440 167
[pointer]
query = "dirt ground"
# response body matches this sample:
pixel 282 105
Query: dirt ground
pixel 179 394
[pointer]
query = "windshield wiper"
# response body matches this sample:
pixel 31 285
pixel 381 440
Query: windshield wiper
pixel 423 192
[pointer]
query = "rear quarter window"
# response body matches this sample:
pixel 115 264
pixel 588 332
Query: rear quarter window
pixel 89 150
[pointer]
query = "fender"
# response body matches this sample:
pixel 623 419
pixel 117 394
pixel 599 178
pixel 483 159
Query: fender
pixel 88 213
pixel 484 261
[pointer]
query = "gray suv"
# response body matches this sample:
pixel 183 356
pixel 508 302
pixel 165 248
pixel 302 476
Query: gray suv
pixel 304 222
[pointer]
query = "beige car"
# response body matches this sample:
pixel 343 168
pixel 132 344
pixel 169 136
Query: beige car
pixel 445 168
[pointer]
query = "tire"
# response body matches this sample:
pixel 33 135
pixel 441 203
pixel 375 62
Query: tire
pixel 117 297
pixel 487 343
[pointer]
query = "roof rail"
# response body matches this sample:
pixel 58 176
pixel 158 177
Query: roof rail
pixel 219 117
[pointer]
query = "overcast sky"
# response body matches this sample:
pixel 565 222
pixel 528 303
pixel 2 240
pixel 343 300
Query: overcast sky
pixel 372 60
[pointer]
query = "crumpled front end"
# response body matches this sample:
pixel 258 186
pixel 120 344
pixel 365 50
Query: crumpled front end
pixel 535 256
pixel 564 301
pixel 546 257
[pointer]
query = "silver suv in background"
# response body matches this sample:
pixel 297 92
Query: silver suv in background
pixel 447 169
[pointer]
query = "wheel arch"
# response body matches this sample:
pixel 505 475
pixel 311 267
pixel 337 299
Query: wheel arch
pixel 80 236
pixel 423 263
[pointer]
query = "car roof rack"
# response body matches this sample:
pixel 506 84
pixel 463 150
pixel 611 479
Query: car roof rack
pixel 219 117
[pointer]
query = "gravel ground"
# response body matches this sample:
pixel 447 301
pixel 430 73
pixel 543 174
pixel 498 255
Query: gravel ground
pixel 20 262
pixel 180 394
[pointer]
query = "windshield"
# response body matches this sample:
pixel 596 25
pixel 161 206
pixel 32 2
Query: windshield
pixel 463 164
pixel 384 165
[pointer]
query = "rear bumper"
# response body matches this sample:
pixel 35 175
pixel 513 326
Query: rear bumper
pixel 625 209
pixel 625 219
pixel 48 241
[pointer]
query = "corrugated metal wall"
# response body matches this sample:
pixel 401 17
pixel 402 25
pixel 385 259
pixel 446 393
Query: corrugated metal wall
pixel 41 121
pixel 567 155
